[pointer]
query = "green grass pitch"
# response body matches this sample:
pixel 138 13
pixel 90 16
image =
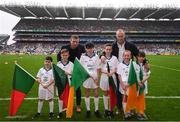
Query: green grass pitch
pixel 164 81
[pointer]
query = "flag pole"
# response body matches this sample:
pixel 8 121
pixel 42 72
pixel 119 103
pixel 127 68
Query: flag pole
pixel 31 76
pixel 25 71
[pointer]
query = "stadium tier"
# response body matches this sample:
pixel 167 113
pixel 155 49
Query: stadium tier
pixel 54 25
pixel 48 35
pixel 3 40
pixel 94 30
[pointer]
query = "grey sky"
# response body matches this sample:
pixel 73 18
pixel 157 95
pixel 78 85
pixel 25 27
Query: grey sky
pixel 7 22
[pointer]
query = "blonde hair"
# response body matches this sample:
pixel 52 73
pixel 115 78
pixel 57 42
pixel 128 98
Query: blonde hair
pixel 128 51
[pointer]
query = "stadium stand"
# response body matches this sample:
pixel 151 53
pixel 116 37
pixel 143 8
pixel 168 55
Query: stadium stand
pixel 44 36
pixel 3 40
pixel 50 25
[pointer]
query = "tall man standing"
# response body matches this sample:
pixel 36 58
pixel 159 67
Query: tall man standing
pixel 75 50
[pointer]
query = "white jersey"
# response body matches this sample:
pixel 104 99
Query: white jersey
pixel 91 64
pixel 45 77
pixel 113 62
pixel 123 71
pixel 66 67
pixel 139 67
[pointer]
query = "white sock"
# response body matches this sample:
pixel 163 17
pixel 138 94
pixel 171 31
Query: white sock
pixel 60 105
pixel 96 103
pixel 87 101
pixel 124 106
pixel 40 105
pixel 105 100
pixel 51 106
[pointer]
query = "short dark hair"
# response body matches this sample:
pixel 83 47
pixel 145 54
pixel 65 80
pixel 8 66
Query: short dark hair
pixel 49 58
pixel 145 61
pixel 74 37
pixel 64 50
pixel 141 54
pixel 89 45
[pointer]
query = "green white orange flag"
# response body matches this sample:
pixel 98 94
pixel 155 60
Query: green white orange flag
pixel 79 75
pixel 140 104
pixel 22 84
pixel 133 82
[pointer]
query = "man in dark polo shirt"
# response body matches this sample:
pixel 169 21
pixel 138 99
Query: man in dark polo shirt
pixel 75 50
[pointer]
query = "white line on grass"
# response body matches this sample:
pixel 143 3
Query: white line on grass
pixel 15 117
pixel 163 67
pixel 148 97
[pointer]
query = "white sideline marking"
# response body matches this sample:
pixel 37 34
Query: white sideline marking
pixel 163 67
pixel 148 97
pixel 15 117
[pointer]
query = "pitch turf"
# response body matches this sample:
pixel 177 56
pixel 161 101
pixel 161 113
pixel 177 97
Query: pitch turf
pixel 164 81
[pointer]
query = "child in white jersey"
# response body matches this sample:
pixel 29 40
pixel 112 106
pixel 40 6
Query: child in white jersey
pixel 123 73
pixel 67 66
pixel 110 62
pixel 46 86
pixel 91 63
pixel 144 76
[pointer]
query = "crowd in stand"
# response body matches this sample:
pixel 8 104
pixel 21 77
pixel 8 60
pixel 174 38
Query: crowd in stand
pixel 160 49
pixel 31 48
pixel 65 39
pixel 95 26
pixel 49 48
pixel 47 45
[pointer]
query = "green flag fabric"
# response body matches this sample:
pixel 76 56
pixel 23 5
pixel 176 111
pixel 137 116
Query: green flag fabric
pixel 132 75
pixel 22 80
pixel 22 84
pixel 79 74
pixel 60 78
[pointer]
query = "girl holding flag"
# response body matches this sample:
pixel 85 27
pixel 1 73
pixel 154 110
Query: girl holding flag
pixel 144 74
pixel 123 74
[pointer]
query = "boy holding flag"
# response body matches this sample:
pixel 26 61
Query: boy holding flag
pixel 67 66
pixel 91 63
pixel 46 86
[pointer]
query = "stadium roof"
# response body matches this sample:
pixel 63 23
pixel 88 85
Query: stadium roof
pixel 94 9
